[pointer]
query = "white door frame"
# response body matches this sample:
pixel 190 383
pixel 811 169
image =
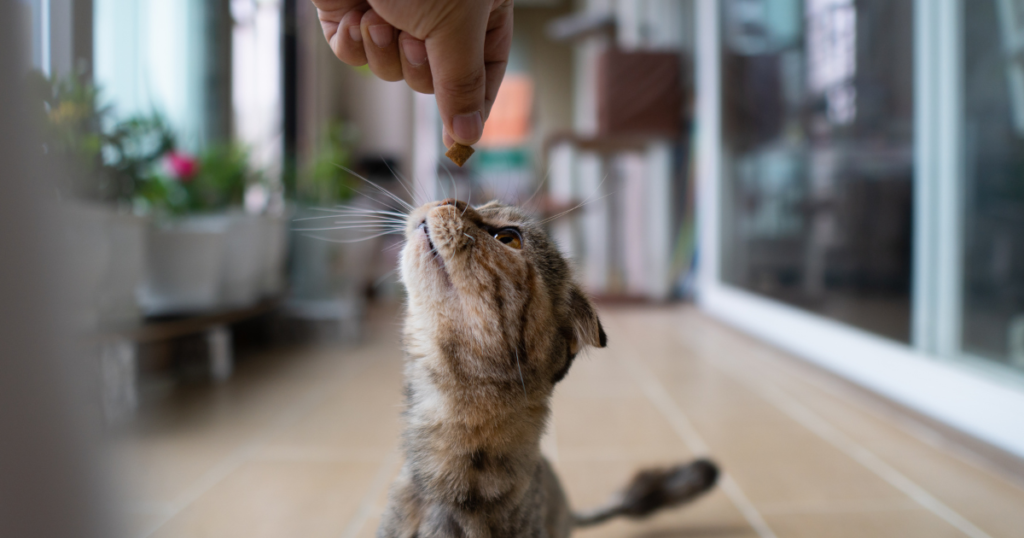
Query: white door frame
pixel 917 376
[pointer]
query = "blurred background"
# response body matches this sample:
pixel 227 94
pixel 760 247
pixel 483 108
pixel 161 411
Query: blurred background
pixel 812 208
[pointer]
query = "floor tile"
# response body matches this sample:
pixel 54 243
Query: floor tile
pixel 874 523
pixel 304 442
pixel 272 500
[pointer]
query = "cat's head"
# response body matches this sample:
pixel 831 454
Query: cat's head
pixel 489 288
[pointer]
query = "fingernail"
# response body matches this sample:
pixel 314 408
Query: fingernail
pixel 381 34
pixel 354 33
pixel 468 127
pixel 415 51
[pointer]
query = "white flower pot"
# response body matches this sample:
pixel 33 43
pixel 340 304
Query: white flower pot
pixel 107 252
pixel 244 255
pixel 184 266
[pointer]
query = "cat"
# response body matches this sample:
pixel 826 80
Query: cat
pixel 493 322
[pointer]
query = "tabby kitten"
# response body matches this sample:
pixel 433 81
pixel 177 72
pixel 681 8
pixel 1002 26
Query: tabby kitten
pixel 494 321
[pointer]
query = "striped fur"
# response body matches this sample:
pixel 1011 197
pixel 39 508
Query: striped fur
pixel 489 331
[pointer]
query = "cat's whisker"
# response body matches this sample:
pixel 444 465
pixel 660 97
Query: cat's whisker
pixel 370 214
pixel 398 244
pixel 401 208
pixel 455 186
pixel 329 240
pixel 364 220
pixel 418 192
pixel 352 216
pixel 508 185
pixel 335 212
pixel 369 211
pixel 384 277
pixel 470 237
pixel 384 191
pixel 400 179
pixel 581 204
pixel 354 227
pixel 469 196
pixel 537 190
pixel 345 207
pixel 389 225
pixel 356 219
pixel 321 217
pixel 574 208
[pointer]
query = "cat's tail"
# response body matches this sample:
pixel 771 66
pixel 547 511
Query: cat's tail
pixel 654 489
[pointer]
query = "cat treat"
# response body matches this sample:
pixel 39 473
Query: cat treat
pixel 459 154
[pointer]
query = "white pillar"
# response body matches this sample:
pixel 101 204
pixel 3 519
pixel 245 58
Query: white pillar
pixel 596 222
pixel 659 220
pixel 426 146
pixel 561 181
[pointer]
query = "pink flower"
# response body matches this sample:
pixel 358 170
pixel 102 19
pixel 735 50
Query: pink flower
pixel 182 166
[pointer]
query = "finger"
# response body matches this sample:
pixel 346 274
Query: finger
pixel 415 67
pixel 381 46
pixel 336 16
pixel 347 43
pixel 456 53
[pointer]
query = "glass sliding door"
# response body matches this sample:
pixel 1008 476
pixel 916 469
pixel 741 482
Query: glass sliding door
pixel 817 156
pixel 861 200
pixel 992 290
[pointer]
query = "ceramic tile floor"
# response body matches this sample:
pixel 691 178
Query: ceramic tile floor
pixel 303 444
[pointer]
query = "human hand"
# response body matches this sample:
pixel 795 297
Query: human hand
pixel 457 49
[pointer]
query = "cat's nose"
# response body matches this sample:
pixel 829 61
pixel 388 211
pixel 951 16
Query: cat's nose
pixel 464 210
pixel 457 204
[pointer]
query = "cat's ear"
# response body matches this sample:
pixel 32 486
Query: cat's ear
pixel 587 329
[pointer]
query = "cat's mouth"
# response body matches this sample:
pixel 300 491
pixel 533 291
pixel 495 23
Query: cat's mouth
pixel 431 249
pixel 426 232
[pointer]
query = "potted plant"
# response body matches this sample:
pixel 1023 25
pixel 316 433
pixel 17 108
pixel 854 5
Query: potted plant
pixel 205 251
pixel 95 165
pixel 153 225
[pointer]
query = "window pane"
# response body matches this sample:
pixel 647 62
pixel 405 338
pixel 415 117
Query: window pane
pixel 993 138
pixel 818 156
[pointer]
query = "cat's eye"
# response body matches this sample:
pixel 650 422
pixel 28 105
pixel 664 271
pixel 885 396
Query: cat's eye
pixel 509 237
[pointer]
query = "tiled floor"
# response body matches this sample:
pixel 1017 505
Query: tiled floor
pixel 303 444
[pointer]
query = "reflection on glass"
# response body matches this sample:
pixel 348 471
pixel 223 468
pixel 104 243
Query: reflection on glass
pixel 818 156
pixel 993 270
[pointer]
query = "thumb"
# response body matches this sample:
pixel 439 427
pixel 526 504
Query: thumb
pixel 456 55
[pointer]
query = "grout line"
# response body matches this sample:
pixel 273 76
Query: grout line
pixel 747 508
pixel 841 507
pixel 830 433
pixel 661 399
pixel 380 481
pixel 904 423
pixel 147 508
pixel 315 455
pixel 870 460
pixel 657 394
pixel 240 455
pixel 906 420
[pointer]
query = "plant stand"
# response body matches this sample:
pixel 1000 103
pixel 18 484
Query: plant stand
pixel 119 352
